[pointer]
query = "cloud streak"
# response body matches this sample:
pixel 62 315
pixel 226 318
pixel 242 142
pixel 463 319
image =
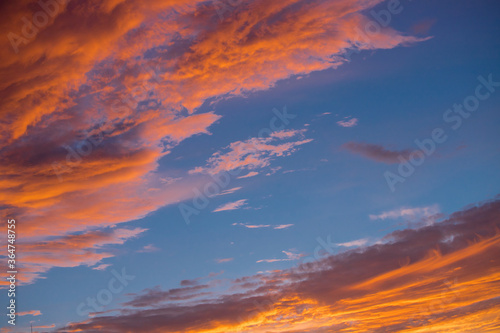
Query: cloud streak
pixel 348 123
pixel 231 206
pixel 408 213
pixel 258 226
pixel 355 243
pixel 377 153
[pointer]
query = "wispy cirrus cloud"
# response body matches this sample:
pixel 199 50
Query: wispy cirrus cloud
pixel 348 123
pixel 258 226
pixel 248 175
pixel 442 277
pixel 231 206
pixel 290 256
pixel 283 226
pixel 31 313
pixel 355 243
pixel 254 153
pixel 411 213
pixel 148 248
pixel 223 260
pixel 101 267
pixel 377 153
pixel 230 190
pixel 253 226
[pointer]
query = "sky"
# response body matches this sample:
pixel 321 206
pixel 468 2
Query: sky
pixel 251 165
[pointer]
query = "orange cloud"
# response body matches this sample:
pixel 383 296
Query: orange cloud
pixel 438 278
pixel 99 94
pixel 68 251
pixel 31 312
pixel 45 326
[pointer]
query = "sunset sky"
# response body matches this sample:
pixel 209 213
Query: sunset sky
pixel 251 165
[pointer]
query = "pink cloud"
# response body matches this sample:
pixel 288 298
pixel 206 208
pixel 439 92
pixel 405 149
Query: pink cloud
pixel 248 175
pixel 348 123
pixel 148 248
pixel 101 267
pixel 254 153
pixel 258 226
pixel 231 205
pixel 283 226
pixel 253 226
pixel 290 256
pixel 230 191
pixel 223 260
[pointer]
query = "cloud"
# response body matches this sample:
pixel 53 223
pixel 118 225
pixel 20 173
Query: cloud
pixel 101 267
pixel 253 226
pixel 254 153
pixel 230 191
pixel 412 214
pixel 442 277
pixel 248 175
pixel 290 256
pixel 45 326
pixel 355 243
pixel 223 260
pixel 148 248
pixel 193 282
pixel 273 171
pixel 297 170
pixel 155 296
pixel 231 206
pixel 348 123
pixel 31 312
pixel 423 27
pixel 258 226
pixel 377 153
pixel 99 108
pixel 283 226
pixel 87 248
